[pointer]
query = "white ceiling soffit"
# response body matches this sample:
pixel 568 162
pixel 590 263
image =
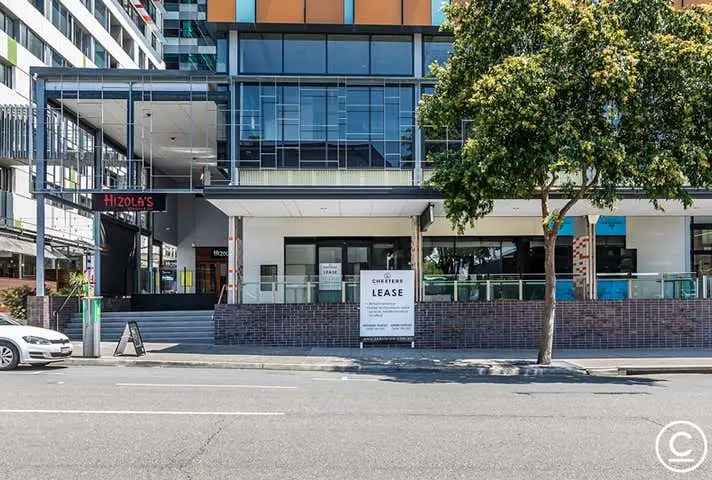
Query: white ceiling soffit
pixel 320 208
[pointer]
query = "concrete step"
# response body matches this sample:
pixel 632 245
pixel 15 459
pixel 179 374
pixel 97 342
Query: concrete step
pixel 121 323
pixel 157 314
pixel 186 326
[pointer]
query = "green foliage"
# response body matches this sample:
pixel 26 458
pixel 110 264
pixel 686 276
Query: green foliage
pixel 78 285
pixel 580 97
pixel 15 299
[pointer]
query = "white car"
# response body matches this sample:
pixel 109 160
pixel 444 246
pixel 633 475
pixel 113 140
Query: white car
pixel 31 345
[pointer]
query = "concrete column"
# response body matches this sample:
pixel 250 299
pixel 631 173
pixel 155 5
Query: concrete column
pixel 418 71
pixel 235 259
pixel 416 255
pixel 584 257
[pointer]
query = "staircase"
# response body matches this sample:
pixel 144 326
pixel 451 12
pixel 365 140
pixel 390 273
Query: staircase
pixel 158 327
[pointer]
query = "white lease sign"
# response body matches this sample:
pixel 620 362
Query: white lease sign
pixel 387 303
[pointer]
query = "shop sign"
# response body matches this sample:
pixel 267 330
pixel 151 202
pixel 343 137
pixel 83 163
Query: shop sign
pixel 129 202
pixel 387 303
pixel 219 253
pixel 330 276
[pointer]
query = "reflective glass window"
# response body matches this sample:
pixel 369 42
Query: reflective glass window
pixel 391 55
pixel 348 54
pixel 261 53
pixel 304 53
pixel 436 49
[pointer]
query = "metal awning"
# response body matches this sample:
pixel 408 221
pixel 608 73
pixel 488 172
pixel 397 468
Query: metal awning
pixel 24 247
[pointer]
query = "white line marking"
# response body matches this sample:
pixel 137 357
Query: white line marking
pixel 346 379
pixel 190 385
pixel 147 412
pixel 28 373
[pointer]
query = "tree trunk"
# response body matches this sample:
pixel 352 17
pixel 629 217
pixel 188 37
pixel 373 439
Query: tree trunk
pixel 546 342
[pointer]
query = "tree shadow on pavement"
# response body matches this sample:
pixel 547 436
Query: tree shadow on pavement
pixel 471 378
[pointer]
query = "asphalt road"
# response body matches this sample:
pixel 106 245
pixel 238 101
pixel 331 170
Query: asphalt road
pixel 170 423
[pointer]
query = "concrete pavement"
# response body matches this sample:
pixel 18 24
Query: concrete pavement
pixel 373 360
pixel 167 424
pixel 484 362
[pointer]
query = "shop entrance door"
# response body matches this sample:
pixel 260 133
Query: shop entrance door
pixel 330 262
pixel 211 270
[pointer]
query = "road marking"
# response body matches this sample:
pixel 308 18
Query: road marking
pixel 191 385
pixel 28 373
pixel 346 379
pixel 147 412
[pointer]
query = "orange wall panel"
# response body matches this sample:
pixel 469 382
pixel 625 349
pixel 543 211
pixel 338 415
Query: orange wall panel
pixel 280 11
pixel 325 11
pixel 377 12
pixel 417 12
pixel 221 10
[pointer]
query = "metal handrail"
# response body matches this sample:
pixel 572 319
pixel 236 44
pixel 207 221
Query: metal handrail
pixel 222 291
pixel 64 304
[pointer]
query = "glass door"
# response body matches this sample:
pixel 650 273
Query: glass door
pixel 357 258
pixel 331 260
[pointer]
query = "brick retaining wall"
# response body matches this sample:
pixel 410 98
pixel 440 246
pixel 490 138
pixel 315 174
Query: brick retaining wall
pixel 499 324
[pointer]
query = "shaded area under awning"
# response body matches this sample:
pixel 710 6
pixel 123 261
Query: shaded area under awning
pixel 24 247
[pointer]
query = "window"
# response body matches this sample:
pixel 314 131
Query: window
pixel 391 55
pixel 61 19
pixel 268 278
pixel 304 53
pixel 100 56
pixel 348 54
pixel 338 54
pixel 56 59
pixel 261 53
pixel 435 49
pixel 101 13
pixel 6 75
pixel 82 39
pixel 326 126
pixel 35 45
pixel 7 24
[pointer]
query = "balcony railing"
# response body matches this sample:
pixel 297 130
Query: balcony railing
pixel 444 288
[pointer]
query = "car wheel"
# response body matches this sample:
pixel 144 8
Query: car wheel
pixel 9 356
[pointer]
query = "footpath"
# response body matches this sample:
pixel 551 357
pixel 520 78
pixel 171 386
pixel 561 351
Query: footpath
pixel 383 360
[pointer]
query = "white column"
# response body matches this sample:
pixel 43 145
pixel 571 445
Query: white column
pixel 234 262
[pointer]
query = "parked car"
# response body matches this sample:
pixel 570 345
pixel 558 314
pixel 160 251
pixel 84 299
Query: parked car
pixel 31 345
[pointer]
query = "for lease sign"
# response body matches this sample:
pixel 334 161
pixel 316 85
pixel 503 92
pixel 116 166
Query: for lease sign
pixel 387 303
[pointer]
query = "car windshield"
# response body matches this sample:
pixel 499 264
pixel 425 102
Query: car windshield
pixel 7 321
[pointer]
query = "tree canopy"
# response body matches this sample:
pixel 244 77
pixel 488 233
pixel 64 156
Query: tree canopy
pixel 584 97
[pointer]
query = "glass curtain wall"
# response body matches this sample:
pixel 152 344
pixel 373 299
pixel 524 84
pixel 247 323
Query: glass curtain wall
pixel 326 126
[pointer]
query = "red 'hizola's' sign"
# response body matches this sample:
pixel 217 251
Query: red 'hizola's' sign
pixel 129 202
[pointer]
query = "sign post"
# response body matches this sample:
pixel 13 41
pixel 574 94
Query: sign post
pixel 387 304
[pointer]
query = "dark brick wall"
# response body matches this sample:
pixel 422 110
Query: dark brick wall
pixel 500 324
pixel 322 325
pixel 41 311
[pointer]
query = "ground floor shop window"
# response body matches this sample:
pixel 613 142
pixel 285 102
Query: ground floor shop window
pixel 327 269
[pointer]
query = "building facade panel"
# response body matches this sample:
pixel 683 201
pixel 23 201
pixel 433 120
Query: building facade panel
pixel 221 10
pixel 280 11
pixel 417 12
pixel 325 11
pixel 378 12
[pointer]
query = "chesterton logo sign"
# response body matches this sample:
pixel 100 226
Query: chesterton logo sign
pixel 387 303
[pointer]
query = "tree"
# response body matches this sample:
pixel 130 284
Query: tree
pixel 577 100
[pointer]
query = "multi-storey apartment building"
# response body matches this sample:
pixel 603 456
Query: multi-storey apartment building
pixel 298 162
pixel 189 43
pixel 104 34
